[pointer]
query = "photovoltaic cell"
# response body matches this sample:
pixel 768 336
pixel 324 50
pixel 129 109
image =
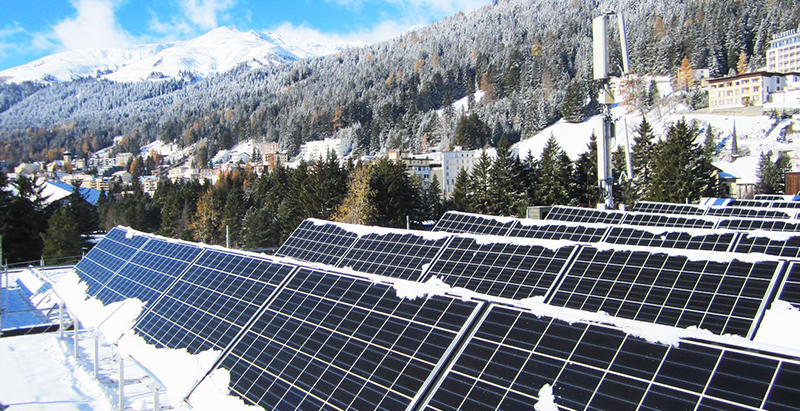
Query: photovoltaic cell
pixel 584 215
pixel 317 242
pixel 149 272
pixel 749 203
pixel 107 257
pixel 457 222
pixel 550 230
pixel 747 213
pixel 667 208
pixel 670 239
pixel 656 220
pixel 211 303
pixel 790 290
pixel 500 268
pixel 769 197
pixel 397 255
pixel 742 224
pixel 791 205
pixel 513 354
pixel 328 341
pixel 788 247
pixel 670 289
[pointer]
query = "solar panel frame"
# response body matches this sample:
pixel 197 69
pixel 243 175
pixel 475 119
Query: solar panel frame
pixel 670 287
pixel 677 221
pixel 459 222
pixel 552 230
pixel 512 353
pixel 751 224
pixel 584 215
pixel 749 213
pixel 671 238
pixel 212 301
pixel 370 338
pixel 789 290
pixel 396 254
pixel 318 241
pixel 500 266
pixel 652 207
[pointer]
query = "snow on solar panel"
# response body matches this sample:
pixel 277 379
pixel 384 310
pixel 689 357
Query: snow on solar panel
pixel 724 297
pixel 514 354
pixel 501 267
pixel 551 230
pixel 458 222
pixel 211 302
pixel 657 220
pixel 317 241
pixel 667 208
pixel 393 254
pixel 790 289
pixel 584 215
pixel 685 240
pixel 330 341
pixel 749 203
pixel 746 224
pixel 786 204
pixel 149 272
pixel 781 244
pixel 748 212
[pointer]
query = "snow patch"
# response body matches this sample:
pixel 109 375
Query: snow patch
pixel 546 399
pixel 412 290
pixel 363 230
pixel 780 326
pixel 213 394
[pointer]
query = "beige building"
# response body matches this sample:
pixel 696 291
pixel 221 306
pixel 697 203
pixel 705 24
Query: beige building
pixel 744 90
pixel 783 54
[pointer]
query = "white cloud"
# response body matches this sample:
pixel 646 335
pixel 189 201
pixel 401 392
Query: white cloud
pixel 94 26
pixel 380 32
pixel 204 13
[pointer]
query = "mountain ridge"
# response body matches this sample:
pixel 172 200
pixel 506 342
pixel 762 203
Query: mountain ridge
pixel 215 52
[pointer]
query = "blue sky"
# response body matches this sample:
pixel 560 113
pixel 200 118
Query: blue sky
pixel 30 29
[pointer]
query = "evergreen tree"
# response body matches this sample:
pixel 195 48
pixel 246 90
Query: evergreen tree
pixel 431 207
pixel 572 107
pixel 62 240
pixel 471 132
pixel 85 214
pixel 771 175
pixel 585 188
pixel 395 194
pixel 479 186
pixel 459 200
pixel 681 170
pixel 292 210
pixel 553 171
pixel 506 192
pixel 642 157
pixel 653 95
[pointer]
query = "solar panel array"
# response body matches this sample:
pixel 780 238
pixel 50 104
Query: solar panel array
pixel 455 222
pixel 293 336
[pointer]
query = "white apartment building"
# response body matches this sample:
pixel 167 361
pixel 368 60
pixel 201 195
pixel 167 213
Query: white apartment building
pixel 783 55
pixel 446 165
pixel 744 90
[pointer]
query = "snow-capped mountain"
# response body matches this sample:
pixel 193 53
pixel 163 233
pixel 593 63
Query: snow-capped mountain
pixel 214 52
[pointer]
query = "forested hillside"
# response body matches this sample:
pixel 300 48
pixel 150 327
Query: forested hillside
pixel 525 55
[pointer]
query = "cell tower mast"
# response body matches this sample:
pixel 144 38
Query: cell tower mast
pixel 606 96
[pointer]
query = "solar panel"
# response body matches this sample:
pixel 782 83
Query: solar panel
pixel 107 257
pixel 747 212
pixel 724 297
pixel 501 267
pixel 513 354
pixel 317 242
pixel 458 222
pixel 770 197
pixel 212 302
pixel 684 240
pixel 657 220
pixel 790 289
pixel 742 224
pixel 550 230
pixel 749 203
pixel 786 204
pixel 584 215
pixel 149 272
pixel 393 254
pixel 667 208
pixel 780 244
pixel 330 341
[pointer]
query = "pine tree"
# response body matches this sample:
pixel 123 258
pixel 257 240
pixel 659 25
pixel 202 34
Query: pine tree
pixel 572 107
pixel 459 200
pixel 681 170
pixel 771 175
pixel 553 172
pixel 642 156
pixel 506 192
pixel 585 189
pixel 62 240
pixel 685 79
pixel 431 200
pixel 395 194
pixel 479 186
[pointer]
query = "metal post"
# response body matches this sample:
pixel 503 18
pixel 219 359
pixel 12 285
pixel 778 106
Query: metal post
pixel 96 354
pixel 155 386
pixel 61 319
pixel 227 237
pixel 121 383
pixel 77 325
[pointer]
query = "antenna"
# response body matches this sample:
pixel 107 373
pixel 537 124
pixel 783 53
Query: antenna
pixel 600 40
